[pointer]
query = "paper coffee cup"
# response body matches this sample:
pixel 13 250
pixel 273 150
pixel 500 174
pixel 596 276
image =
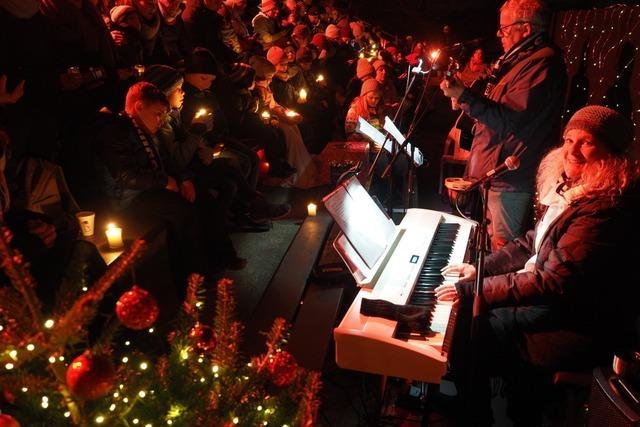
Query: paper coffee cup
pixel 86 220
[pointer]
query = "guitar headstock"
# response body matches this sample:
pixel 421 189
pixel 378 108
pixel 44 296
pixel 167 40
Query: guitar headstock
pixel 453 66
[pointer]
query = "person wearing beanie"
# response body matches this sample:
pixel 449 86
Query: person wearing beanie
pixel 314 22
pixel 546 293
pixel 523 109
pixel 276 56
pixel 301 36
pixel 165 78
pixel 126 27
pixel 367 106
pixel 201 61
pixel 332 33
pixel 266 26
pixel 319 40
pixel 390 98
pixel 241 75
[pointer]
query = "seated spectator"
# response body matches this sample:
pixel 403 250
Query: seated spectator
pixel 126 21
pixel 204 28
pixel 390 99
pixel 172 45
pixel 367 106
pixel 265 25
pixel 297 154
pixel 135 179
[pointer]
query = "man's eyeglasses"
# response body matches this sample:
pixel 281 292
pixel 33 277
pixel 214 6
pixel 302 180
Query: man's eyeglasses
pixel 501 28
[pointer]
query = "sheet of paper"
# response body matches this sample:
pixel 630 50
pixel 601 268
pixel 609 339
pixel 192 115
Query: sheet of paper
pixel 378 137
pixel 367 228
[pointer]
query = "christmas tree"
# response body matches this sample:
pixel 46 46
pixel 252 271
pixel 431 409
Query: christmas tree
pixel 51 375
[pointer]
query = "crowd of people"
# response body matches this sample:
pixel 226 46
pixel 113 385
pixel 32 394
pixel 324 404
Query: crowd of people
pixel 168 111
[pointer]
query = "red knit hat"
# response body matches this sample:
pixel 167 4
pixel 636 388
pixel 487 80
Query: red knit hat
pixel 364 69
pixel 369 85
pixel 276 55
pixel 319 41
pixel 332 32
pixel 267 5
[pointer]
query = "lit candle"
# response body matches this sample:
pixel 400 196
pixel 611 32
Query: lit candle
pixel 434 54
pixel 139 69
pixel 361 56
pixel 312 209
pixel 265 116
pixel 114 236
pixel 303 96
pixel 291 113
pixel 201 112
pixel 320 78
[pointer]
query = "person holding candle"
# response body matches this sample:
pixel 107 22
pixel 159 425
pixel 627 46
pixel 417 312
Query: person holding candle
pixel 297 154
pixel 135 179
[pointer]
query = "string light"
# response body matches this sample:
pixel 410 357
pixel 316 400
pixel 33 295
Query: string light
pixel 142 394
pixel 144 366
pixel 31 347
pixel 49 324
pixel 99 419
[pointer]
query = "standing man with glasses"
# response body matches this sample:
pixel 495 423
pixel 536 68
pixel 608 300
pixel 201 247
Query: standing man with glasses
pixel 520 109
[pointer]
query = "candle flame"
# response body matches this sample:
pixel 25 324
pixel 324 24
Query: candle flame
pixel 201 112
pixel 434 54
pixel 111 226
pixel 265 115
pixel 291 113
pixel 320 78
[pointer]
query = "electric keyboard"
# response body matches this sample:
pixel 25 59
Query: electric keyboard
pixel 428 241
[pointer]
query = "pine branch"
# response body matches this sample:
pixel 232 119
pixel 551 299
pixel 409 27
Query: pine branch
pixel 195 295
pixel 309 402
pixel 227 329
pixel 85 307
pixel 18 273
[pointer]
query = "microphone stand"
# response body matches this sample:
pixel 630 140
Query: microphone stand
pixel 481 249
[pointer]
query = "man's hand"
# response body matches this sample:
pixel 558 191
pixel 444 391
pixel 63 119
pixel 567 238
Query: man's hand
pixel 461 272
pixel 44 231
pixel 452 88
pixel 172 185
pixel 446 293
pixel 119 38
pixel 10 97
pixel 188 191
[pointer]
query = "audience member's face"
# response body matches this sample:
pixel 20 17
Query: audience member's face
pixel 373 98
pixel 306 65
pixel 200 80
pixel 237 5
pixel 581 148
pixel 290 4
pixel 313 19
pixel 477 56
pixel 150 116
pixel 176 98
pixel 146 8
pixel 213 4
pixel 510 31
pixel 291 55
pixel 381 74
pixel 272 13
pixel 171 7
pixel 282 68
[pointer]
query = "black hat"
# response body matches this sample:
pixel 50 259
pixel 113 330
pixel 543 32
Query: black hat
pixel 164 77
pixel 241 75
pixel 201 61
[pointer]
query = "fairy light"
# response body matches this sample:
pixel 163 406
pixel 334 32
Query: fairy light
pixel 127 343
pixel 125 359
pixel 142 394
pixel 13 354
pixel 31 347
pixel 125 400
pixel 235 420
pixel 112 407
pixel 215 369
pixel 85 289
pixel 24 389
pixel 61 358
pixel 67 414
pixel 8 366
pixel 202 379
pixel 151 330
pixel 99 419
pixel 52 359
pixel 169 422
pixel 49 324
pixel 148 425
pixel 184 353
pixel 200 360
pixel 144 366
pixel 135 421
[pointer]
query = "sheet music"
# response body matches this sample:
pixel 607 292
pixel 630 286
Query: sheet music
pixel 378 138
pixel 367 228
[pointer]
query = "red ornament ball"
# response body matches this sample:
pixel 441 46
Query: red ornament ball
pixel 90 376
pixel 263 167
pixel 283 369
pixel 8 421
pixel 203 337
pixel 137 308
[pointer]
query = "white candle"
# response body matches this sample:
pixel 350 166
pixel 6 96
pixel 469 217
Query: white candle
pixel 303 95
pixel 312 209
pixel 266 116
pixel 201 112
pixel 114 236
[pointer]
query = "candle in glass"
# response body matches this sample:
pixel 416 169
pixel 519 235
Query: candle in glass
pixel 114 236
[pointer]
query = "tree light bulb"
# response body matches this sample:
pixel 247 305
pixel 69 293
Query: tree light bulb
pixel 49 324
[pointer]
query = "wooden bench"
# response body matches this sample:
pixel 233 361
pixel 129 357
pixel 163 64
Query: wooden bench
pixel 308 305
